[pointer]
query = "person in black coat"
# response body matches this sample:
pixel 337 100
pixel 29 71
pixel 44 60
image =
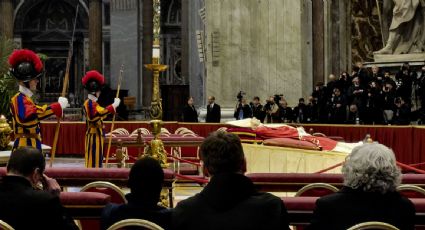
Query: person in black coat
pixel 258 109
pixel 242 110
pixel 301 113
pixel 404 80
pixel 285 112
pixel 24 207
pixel 401 113
pixel 337 107
pixel 371 177
pixel 189 112
pixel 145 183
pixel 229 201
pixel 213 111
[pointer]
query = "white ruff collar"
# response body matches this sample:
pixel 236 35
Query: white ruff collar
pixel 92 97
pixel 27 92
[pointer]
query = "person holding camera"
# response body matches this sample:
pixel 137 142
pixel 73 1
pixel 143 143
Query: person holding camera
pixel 242 110
pixel 388 95
pixel 404 80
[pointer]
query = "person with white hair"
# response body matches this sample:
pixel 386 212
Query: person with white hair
pixel 371 177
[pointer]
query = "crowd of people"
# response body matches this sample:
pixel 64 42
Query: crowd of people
pixel 229 201
pixel 366 96
pixel 370 96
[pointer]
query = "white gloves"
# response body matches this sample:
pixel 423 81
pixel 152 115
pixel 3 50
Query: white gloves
pixel 116 103
pixel 63 101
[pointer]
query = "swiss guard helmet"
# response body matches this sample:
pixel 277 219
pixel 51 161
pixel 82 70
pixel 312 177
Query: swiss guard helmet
pixel 93 81
pixel 25 65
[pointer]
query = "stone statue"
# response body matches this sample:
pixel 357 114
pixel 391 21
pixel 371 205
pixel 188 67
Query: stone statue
pixel 407 29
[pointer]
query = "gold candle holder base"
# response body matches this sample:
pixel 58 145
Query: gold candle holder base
pixel 156 148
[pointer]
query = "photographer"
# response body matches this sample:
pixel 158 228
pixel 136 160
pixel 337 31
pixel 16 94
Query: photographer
pixel 272 109
pixel 388 95
pixel 257 109
pixel 404 80
pixel 242 109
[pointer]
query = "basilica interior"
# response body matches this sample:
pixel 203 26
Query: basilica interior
pixel 310 100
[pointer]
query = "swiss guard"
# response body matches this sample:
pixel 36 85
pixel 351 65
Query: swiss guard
pixel 93 82
pixel 27 68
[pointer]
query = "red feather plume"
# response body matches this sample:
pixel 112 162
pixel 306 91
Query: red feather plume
pixel 25 55
pixel 93 75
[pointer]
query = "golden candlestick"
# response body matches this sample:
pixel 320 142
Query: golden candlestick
pixel 5 132
pixel 156 148
pixel 156 104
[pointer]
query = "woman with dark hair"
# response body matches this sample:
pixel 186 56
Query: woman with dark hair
pixel 189 112
pixel 145 183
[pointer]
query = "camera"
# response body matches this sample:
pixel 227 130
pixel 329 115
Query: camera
pixel 277 98
pixel 240 96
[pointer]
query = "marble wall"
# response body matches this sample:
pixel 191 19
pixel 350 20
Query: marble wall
pixel 257 46
pixel 124 45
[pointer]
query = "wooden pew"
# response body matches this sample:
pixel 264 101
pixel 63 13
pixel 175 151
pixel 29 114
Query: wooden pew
pixel 292 182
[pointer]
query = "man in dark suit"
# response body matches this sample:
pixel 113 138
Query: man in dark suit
pixel 230 200
pixel 189 112
pixel 145 183
pixel 213 111
pixel 371 177
pixel 24 207
pixel 258 109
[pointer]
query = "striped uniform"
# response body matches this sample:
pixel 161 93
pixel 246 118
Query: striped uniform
pixel 94 134
pixel 26 120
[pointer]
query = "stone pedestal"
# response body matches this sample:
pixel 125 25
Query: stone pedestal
pixel 258 47
pixel 386 58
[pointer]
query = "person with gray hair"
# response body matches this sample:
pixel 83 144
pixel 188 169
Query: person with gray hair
pixel 371 177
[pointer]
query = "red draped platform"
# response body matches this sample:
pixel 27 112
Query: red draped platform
pixel 408 142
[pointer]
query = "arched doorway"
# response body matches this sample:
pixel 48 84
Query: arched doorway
pixel 46 27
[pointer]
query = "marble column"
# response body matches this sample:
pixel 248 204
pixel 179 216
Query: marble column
pixel 95 35
pixel 318 41
pixel 147 23
pixel 185 39
pixel 6 18
pixel 124 45
pixel 196 67
pixel 341 36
